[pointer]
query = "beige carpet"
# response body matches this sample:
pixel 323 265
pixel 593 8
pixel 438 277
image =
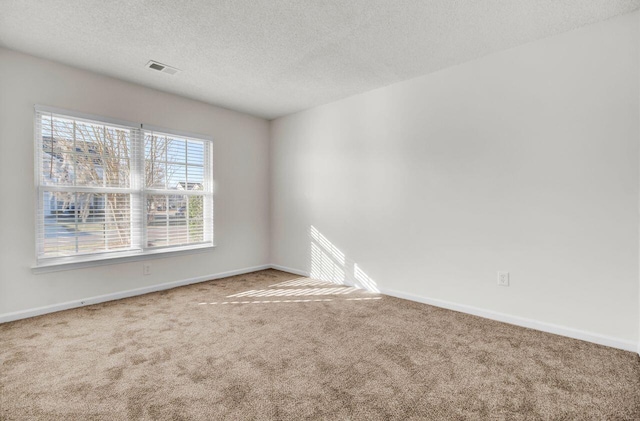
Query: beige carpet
pixel 287 348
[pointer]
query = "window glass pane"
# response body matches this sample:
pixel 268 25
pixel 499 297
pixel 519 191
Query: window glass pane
pixel 59 223
pixel 87 153
pixel 155 147
pixel 84 154
pixel 174 220
pixel 177 177
pixel 46 123
pixel 155 175
pixel 80 223
pixel 195 213
pixel 118 220
pixel 176 150
pixel 58 151
pixel 174 163
pixel 155 152
pixel 195 178
pixel 116 158
pixel 195 152
pixel 157 220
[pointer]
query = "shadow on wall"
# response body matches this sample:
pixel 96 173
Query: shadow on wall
pixel 330 264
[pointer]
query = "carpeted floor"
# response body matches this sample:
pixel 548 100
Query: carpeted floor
pixel 271 345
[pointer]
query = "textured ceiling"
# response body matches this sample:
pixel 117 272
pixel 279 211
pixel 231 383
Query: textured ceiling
pixel 274 57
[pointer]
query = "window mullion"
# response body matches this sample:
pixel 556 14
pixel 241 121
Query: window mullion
pixel 138 225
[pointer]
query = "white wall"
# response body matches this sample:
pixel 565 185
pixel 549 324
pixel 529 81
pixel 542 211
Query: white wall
pixel 240 171
pixel 523 161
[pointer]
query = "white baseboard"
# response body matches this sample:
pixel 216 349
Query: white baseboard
pixel 291 270
pixel 519 321
pixel 24 314
pixel 503 317
pixel 476 311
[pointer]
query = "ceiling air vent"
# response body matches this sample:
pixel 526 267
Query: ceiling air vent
pixel 159 67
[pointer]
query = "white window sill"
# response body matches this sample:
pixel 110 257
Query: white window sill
pixel 70 263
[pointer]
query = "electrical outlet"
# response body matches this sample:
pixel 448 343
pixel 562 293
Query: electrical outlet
pixel 503 279
pixel 146 268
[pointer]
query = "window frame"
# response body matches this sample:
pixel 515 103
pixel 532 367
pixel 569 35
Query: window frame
pixel 137 189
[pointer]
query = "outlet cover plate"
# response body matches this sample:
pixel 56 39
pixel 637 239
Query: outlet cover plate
pixel 503 279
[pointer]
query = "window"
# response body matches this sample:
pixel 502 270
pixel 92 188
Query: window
pixel 111 189
pixel 177 185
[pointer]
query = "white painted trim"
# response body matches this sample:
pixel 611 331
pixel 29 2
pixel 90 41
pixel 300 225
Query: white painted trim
pixel 91 260
pixel 503 317
pixel 519 321
pixel 84 116
pixel 175 132
pixel 24 314
pixel 291 270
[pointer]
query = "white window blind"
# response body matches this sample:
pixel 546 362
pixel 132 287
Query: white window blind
pixel 178 190
pixel 107 189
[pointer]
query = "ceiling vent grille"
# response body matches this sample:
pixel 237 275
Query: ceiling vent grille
pixel 163 68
